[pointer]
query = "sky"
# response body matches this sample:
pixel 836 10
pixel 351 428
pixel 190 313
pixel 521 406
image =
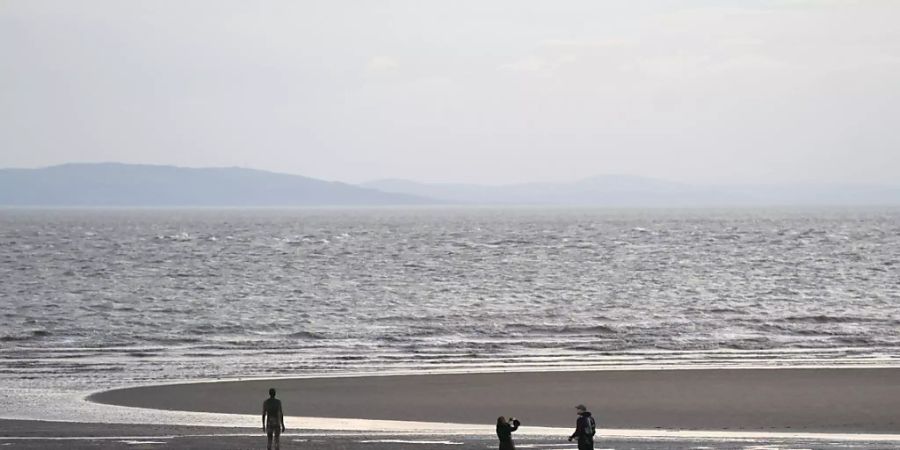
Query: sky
pixel 472 91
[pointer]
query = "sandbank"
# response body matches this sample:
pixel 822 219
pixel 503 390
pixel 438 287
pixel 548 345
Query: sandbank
pixel 826 400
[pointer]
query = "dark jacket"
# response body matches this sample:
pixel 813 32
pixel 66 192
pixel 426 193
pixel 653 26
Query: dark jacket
pixel 504 432
pixel 581 427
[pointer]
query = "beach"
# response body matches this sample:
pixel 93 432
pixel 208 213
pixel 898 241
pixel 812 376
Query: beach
pixel 847 400
pixel 639 409
pixel 37 435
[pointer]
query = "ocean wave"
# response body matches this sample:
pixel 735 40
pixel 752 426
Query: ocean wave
pixel 312 335
pixel 216 329
pixel 718 310
pixel 506 242
pixel 560 329
pixel 178 237
pixel 855 340
pixel 750 344
pixel 174 340
pixel 33 335
pixel 821 318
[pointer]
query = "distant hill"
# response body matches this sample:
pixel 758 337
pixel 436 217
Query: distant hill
pixel 113 184
pixel 631 191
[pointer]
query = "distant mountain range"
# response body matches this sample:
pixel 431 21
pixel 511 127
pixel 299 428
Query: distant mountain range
pixel 631 191
pixel 114 184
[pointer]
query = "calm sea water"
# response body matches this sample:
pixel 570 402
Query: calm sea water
pixel 101 298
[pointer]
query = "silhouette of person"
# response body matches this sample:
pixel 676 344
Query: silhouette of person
pixel 504 432
pixel 585 427
pixel 273 420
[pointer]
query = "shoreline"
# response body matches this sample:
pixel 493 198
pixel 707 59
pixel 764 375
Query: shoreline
pixel 47 435
pixel 846 400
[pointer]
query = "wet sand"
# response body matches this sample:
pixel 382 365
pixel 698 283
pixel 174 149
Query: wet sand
pixel 852 400
pixel 37 435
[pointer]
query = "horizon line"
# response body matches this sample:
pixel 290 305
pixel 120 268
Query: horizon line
pixel 476 184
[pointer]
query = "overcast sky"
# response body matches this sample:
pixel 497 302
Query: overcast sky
pixel 472 91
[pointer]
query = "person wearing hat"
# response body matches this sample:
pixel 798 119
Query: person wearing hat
pixel 585 427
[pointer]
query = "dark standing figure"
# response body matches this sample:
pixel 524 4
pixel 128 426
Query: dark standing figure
pixel 585 427
pixel 273 420
pixel 504 432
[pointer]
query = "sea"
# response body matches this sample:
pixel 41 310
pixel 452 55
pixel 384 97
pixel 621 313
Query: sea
pixel 101 298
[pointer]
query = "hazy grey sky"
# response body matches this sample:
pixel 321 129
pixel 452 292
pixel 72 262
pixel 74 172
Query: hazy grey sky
pixel 472 91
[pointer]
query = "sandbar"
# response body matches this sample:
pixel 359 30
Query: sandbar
pixel 827 400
